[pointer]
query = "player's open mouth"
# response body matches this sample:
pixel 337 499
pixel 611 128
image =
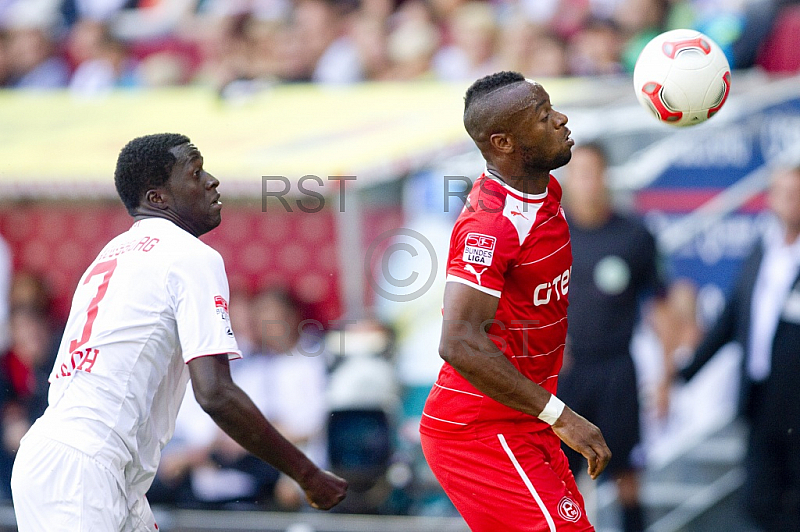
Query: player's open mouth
pixel 216 202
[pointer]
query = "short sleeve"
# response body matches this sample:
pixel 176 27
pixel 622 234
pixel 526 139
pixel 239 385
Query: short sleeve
pixel 199 291
pixel 481 250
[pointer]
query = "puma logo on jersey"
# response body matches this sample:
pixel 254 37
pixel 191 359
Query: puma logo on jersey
pixel 517 213
pixel 471 269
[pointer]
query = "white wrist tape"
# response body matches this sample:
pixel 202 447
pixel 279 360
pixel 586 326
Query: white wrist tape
pixel 552 410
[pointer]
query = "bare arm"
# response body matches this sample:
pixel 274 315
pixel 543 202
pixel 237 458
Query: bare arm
pixel 240 418
pixel 466 346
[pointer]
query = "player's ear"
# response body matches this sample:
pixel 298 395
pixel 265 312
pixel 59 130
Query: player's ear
pixel 156 198
pixel 502 142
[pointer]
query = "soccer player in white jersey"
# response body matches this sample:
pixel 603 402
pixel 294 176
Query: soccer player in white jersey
pixel 149 312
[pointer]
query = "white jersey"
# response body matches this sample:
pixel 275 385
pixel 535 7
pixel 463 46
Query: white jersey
pixel 153 299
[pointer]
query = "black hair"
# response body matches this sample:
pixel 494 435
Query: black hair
pixel 475 112
pixel 144 163
pixel 487 84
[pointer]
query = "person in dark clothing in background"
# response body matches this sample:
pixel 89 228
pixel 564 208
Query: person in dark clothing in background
pixel 615 266
pixel 762 314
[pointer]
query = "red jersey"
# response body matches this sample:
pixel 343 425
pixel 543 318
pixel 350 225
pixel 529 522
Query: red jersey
pixel 516 247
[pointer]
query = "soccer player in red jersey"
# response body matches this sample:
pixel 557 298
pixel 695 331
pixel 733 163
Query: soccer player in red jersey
pixel 492 425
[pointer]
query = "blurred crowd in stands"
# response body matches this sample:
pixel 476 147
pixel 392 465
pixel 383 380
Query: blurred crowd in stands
pixel 29 336
pixel 238 46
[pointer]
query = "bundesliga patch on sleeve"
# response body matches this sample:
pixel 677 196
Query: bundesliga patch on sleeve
pixel 222 307
pixel 479 249
pixel 222 311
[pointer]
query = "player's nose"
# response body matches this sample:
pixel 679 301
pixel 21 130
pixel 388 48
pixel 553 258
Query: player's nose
pixel 212 182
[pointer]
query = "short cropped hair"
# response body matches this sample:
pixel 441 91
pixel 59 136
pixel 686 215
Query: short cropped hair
pixel 144 163
pixel 475 111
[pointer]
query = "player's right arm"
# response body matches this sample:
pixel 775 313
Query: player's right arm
pixel 237 415
pixel 466 346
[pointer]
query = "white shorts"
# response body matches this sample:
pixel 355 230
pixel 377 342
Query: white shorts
pixel 58 488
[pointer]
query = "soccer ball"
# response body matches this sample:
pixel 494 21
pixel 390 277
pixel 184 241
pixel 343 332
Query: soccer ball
pixel 682 77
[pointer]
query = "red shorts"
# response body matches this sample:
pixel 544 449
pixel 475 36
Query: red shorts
pixel 512 482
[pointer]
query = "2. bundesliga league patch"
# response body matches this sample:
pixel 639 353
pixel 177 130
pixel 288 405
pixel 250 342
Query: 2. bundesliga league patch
pixel 222 311
pixel 479 249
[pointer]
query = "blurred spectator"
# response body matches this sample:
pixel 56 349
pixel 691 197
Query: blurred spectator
pixel 762 314
pixel 675 322
pixel 326 50
pixel 513 44
pixel 378 9
pixel 163 69
pixel 537 12
pixel 287 379
pixel 83 40
pixel 99 10
pixel 470 54
pixel 101 61
pixel 444 10
pixel 534 50
pixel 638 21
pixel 223 46
pixel 30 290
pixel 777 51
pixel 267 10
pixel 615 267
pixel 369 34
pixel 595 49
pixel 150 19
pixel 262 38
pixel 24 370
pixel 548 57
pixel 412 43
pixel 34 63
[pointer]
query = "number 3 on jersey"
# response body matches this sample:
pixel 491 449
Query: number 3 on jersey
pixel 106 268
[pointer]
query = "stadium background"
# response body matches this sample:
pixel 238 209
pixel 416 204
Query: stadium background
pixel 388 156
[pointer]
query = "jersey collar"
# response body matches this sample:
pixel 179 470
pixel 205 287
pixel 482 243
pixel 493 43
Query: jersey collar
pixel 513 191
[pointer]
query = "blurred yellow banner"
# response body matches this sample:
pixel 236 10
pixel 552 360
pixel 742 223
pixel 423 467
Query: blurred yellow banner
pixel 59 145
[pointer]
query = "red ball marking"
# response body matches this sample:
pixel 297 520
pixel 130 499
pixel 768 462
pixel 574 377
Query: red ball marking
pixel 671 48
pixel 652 90
pixel 726 79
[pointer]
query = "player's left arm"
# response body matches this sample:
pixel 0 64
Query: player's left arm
pixel 466 346
pixel 236 414
pixel 198 289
